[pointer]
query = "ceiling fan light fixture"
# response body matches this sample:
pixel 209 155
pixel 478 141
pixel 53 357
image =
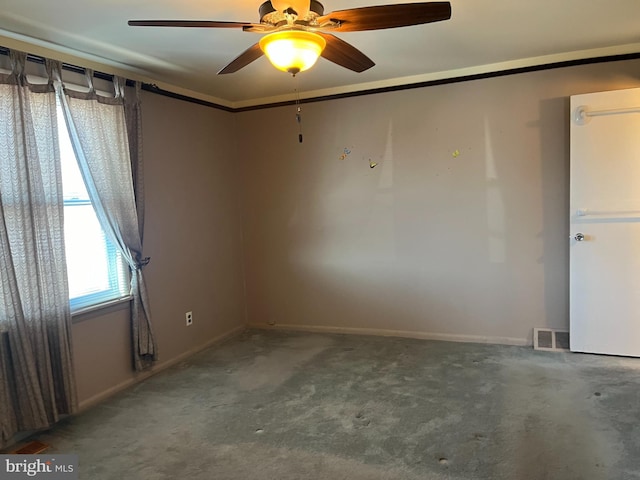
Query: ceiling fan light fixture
pixel 292 51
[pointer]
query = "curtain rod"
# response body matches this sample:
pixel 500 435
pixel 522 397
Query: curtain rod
pixel 67 66
pixel 149 87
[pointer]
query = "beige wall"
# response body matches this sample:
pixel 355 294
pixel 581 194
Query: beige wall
pixel 459 232
pixel 467 246
pixel 193 236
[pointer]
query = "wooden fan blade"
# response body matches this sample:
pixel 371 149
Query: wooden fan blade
pixel 388 16
pixel 252 53
pixel 344 54
pixel 188 23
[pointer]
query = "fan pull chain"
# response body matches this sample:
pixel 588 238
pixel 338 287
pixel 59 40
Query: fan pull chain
pixel 299 120
pixel 298 111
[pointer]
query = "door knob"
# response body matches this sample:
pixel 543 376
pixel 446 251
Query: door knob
pixel 578 237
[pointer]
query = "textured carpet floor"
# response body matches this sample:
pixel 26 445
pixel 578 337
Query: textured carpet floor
pixel 276 405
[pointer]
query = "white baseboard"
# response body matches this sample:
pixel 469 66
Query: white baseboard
pixel 139 377
pixel 446 337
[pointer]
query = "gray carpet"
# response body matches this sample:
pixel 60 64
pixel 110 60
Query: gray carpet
pixel 276 405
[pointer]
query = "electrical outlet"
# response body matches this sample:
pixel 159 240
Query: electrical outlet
pixel 189 317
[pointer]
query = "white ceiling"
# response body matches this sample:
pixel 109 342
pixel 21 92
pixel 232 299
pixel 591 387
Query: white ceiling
pixel 482 36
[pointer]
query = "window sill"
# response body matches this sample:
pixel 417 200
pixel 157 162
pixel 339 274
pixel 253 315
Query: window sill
pixel 99 306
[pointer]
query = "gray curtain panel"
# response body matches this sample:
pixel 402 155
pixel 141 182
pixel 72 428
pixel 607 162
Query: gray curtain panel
pixel 37 382
pixel 105 164
pixel 133 117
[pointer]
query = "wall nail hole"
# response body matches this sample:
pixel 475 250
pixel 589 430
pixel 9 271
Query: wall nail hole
pixel 443 461
pixel 259 430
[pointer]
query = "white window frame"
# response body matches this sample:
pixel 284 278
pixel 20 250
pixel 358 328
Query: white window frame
pixel 118 276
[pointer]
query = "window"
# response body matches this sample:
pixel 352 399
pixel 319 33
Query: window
pixel 96 270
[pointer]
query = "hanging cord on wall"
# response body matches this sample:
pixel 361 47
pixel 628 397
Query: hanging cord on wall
pixel 298 109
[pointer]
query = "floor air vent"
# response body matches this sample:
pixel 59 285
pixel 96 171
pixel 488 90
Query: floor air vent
pixel 31 448
pixel 550 339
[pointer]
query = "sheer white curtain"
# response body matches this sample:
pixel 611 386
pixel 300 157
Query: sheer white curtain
pixel 98 132
pixel 36 374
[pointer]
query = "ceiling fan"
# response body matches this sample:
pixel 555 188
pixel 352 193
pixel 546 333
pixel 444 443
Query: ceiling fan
pixel 300 28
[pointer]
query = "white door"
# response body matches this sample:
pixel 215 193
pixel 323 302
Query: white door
pixel 605 223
